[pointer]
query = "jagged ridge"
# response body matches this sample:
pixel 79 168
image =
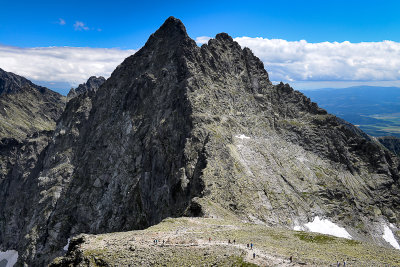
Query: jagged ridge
pixel 92 84
pixel 180 129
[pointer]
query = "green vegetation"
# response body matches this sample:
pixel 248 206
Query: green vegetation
pixel 186 244
pixel 314 238
pixel 241 263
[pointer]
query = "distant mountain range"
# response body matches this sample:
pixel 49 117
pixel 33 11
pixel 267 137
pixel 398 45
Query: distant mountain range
pixel 26 108
pixel 375 110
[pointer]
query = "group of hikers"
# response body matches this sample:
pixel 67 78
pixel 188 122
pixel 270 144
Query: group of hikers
pixel 338 263
pixel 155 242
pixel 249 246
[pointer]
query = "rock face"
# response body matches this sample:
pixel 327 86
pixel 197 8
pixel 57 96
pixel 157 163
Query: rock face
pixel 185 130
pixel 392 143
pixel 92 84
pixel 26 108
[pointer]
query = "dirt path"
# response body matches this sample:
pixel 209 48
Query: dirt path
pixel 261 258
pixel 179 238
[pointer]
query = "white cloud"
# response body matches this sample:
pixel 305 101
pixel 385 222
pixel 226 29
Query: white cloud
pixel 80 26
pixel 300 63
pixel 202 39
pixel 327 61
pixel 61 64
pixel 61 21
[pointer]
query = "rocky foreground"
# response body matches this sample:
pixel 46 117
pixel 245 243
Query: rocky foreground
pixel 186 242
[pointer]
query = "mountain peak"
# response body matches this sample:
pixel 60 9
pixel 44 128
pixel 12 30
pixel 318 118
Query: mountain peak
pixel 172 28
pixel 224 37
pixel 92 84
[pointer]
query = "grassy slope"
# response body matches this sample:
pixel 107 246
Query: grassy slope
pixel 28 112
pixel 186 244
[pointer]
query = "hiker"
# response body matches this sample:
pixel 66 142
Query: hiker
pixel 254 255
pixel 247 245
pixel 344 263
pixel 209 239
pixel 234 241
pixel 291 259
pixel 338 264
pixel 229 241
pixel 251 245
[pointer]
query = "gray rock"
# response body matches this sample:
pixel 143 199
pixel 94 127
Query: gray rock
pixel 26 108
pixel 180 129
pixel 91 85
pixel 391 142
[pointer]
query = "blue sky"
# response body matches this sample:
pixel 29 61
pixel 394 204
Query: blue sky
pixel 126 25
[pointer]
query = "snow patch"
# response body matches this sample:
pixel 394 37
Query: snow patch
pixel 242 136
pixel 297 228
pixel 327 227
pixel 66 246
pixel 389 237
pixel 10 256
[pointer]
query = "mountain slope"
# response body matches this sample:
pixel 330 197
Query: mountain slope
pixel 26 108
pixel 185 130
pixel 391 142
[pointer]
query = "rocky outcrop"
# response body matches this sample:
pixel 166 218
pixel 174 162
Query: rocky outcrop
pixel 92 84
pixel 26 108
pixel 185 130
pixel 391 142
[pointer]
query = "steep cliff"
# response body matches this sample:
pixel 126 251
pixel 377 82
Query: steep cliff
pixel 185 130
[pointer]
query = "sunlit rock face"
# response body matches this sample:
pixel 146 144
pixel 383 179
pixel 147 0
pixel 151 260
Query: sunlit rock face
pixel 201 131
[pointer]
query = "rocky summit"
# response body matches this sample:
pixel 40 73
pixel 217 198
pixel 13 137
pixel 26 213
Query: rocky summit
pixel 181 130
pixel 92 84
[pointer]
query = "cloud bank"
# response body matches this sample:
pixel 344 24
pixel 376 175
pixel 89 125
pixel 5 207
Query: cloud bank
pixel 73 65
pixel 326 61
pixel 299 62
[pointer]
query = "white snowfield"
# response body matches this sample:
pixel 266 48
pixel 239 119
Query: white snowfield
pixel 242 136
pixel 389 237
pixel 298 228
pixel 11 256
pixel 66 246
pixel 327 227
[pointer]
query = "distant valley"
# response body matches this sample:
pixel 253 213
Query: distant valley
pixel 375 110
